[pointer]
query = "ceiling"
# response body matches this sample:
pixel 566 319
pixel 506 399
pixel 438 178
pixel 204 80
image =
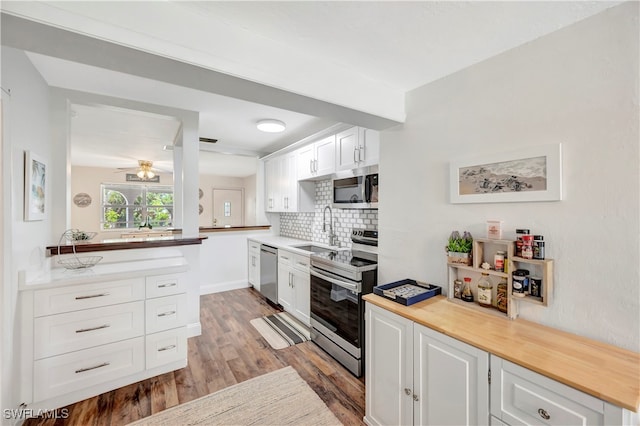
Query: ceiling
pixel 360 55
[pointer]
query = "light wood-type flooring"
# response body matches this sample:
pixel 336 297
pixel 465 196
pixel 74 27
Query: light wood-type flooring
pixel 229 351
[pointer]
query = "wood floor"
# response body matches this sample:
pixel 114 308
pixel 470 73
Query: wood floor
pixel 229 351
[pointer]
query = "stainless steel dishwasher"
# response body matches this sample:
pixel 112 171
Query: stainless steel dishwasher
pixel 269 272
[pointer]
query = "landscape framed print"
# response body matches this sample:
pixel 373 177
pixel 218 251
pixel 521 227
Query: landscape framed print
pixel 35 179
pixel 527 174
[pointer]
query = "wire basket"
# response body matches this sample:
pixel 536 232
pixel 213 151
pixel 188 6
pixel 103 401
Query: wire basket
pixel 76 262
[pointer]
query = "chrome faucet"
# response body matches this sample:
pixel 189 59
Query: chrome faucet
pixel 333 238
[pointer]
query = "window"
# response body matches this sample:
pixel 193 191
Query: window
pixel 131 206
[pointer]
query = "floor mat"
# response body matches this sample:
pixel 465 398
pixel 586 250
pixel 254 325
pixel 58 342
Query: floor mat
pixel 281 330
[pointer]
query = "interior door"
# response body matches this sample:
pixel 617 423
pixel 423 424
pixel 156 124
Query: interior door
pixel 228 207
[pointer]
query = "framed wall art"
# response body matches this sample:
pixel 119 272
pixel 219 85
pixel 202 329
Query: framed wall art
pixel 528 174
pixel 35 178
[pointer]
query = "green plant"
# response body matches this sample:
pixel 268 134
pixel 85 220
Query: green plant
pixel 460 244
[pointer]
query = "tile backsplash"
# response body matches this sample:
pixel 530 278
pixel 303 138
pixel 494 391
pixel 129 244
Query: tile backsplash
pixel 308 226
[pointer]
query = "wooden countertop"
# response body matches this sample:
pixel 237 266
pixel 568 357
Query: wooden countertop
pixel 126 244
pixel 235 228
pixel 604 371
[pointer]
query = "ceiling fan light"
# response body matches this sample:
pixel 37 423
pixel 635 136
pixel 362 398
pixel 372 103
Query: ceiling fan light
pixel 140 174
pixel 150 174
pixel 271 126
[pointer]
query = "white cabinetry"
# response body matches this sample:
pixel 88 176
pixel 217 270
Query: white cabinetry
pixel 283 192
pixel 522 397
pixel 293 285
pixel 357 147
pixel 416 375
pixel 317 159
pixel 254 264
pixel 80 338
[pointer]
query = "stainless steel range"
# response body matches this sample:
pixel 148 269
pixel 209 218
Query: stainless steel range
pixel 338 281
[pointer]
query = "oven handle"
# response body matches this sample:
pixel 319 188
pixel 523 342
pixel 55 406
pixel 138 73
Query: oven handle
pixel 344 284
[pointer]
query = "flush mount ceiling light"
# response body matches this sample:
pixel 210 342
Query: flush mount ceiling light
pixel 271 126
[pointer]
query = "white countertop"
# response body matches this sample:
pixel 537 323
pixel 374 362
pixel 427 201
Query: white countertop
pixel 288 243
pixel 102 271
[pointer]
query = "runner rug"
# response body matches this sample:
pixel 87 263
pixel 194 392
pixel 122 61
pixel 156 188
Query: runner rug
pixel 281 397
pixel 281 330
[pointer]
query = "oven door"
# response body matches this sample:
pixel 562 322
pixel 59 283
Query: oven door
pixel 336 305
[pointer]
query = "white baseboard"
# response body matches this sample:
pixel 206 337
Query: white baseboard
pixel 194 329
pixel 225 286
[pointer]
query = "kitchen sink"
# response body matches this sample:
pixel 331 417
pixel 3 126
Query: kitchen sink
pixel 313 249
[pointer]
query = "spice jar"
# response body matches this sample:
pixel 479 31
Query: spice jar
pixel 457 289
pixel 538 247
pixel 520 282
pixel 519 234
pixel 501 296
pixel 527 246
pixel 498 261
pixel 484 291
pixel 466 295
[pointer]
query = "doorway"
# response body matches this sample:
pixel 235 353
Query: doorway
pixel 228 207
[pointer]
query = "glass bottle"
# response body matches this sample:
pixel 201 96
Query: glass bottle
pixel 501 296
pixel 484 291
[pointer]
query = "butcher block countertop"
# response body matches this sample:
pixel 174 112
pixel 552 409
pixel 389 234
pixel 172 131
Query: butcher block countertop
pixel 604 371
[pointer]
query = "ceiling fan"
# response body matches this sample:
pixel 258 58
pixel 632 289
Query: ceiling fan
pixel 145 169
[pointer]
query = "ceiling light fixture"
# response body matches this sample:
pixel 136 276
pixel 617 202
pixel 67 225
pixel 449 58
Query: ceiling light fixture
pixel 271 126
pixel 145 170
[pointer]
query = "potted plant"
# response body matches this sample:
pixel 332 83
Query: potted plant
pixel 459 248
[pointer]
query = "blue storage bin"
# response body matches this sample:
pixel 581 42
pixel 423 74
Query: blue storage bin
pixel 407 292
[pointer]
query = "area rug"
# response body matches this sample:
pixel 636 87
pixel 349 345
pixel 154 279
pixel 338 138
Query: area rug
pixel 281 330
pixel 277 398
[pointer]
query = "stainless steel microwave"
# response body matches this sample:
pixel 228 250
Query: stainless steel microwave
pixel 356 192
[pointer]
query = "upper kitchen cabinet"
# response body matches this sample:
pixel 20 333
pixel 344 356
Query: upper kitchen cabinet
pixel 317 159
pixel 283 191
pixel 357 147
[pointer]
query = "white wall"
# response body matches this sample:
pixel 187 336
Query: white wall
pixel 577 86
pixel 27 115
pixel 224 260
pixel 207 183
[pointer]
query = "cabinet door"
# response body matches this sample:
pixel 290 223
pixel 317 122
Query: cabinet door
pixel 346 149
pixel 305 162
pixel 254 269
pixel 302 296
pixel 389 368
pixel 285 289
pixel 369 147
pixel 272 184
pixel 450 380
pixel 325 156
pixel 290 184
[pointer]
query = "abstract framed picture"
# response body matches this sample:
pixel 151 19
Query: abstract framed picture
pixel 528 174
pixel 35 178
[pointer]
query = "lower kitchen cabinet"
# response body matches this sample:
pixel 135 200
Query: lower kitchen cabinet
pixel 82 335
pixel 293 285
pixel 522 397
pixel 415 375
pixel 254 264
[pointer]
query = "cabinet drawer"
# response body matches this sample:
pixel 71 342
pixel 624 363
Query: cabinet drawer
pixel 58 334
pixel 301 262
pixel 166 347
pixel 75 298
pixel 165 313
pixel 77 370
pixel 520 396
pixel 254 247
pixel 165 285
pixel 285 257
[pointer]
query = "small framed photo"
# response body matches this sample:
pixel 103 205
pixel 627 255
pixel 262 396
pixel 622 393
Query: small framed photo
pixel 35 187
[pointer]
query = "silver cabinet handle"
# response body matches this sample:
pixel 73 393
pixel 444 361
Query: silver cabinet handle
pixel 355 160
pixel 284 257
pixel 91 296
pixel 543 413
pixel 166 348
pixel 84 330
pixel 310 166
pixel 173 284
pixel 407 391
pixel 164 314
pixel 315 166
pixel 82 370
pixel 360 150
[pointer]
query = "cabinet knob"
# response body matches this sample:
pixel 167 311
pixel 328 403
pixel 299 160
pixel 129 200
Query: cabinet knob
pixel 415 397
pixel 543 413
pixel 407 391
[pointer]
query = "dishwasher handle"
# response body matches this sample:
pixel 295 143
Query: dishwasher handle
pixel 268 249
